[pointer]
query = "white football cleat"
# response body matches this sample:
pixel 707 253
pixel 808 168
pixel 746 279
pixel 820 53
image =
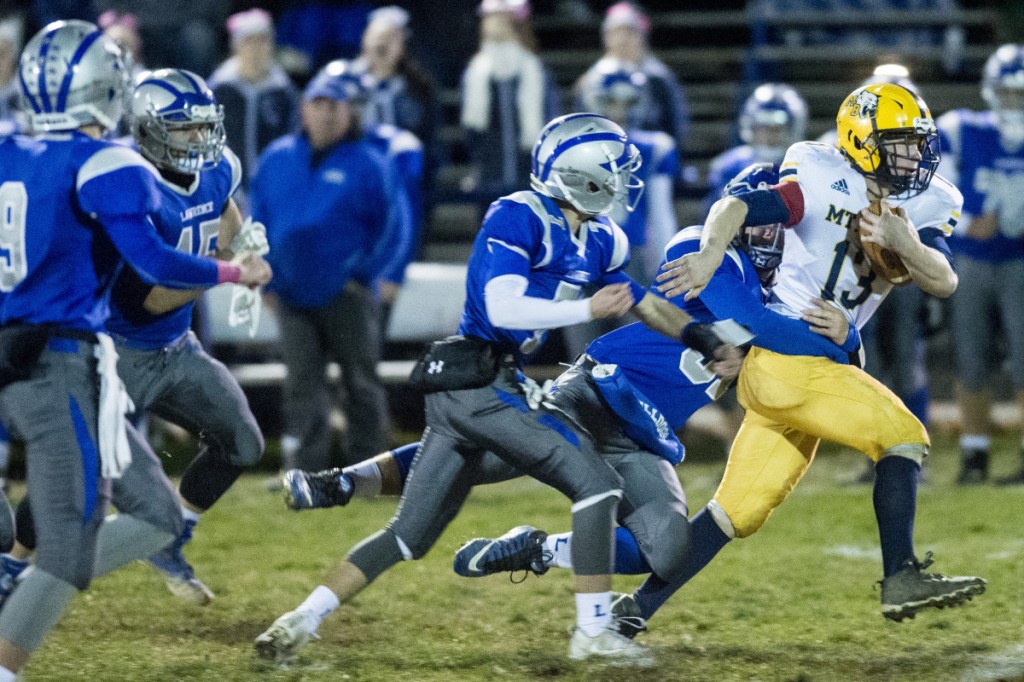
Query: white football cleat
pixel 609 647
pixel 191 589
pixel 286 636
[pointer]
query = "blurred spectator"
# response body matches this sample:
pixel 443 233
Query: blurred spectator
pixel 400 92
pixel 507 97
pixel 260 102
pixel 983 155
pixel 773 117
pixel 326 197
pixel 180 34
pixel 646 214
pixel 11 33
pixel 625 31
pixel 124 29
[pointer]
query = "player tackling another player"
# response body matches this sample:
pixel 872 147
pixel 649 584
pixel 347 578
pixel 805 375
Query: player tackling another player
pixel 886 151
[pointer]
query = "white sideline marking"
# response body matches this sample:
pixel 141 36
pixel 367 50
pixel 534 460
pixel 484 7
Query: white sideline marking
pixel 1007 664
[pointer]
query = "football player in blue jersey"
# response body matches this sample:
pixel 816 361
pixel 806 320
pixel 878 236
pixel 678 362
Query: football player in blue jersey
pixel 76 205
pixel 534 254
pixel 983 154
pixel 177 125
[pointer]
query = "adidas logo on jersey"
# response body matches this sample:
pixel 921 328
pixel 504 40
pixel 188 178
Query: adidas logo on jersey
pixel 840 186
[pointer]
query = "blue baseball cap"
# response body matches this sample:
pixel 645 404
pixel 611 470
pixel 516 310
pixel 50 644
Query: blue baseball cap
pixel 336 81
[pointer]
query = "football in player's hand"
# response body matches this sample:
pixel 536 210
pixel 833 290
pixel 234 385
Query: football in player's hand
pixel 886 263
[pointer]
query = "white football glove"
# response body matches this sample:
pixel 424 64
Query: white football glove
pixel 536 393
pixel 245 309
pixel 251 239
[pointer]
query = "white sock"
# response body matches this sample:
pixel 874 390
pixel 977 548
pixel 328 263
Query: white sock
pixel 974 441
pixel 321 602
pixel 559 548
pixel 189 515
pixel 6 675
pixel 366 477
pixel 593 612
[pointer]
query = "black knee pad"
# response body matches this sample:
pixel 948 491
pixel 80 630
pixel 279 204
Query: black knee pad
pixel 25 529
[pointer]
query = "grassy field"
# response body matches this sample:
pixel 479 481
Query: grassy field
pixel 794 602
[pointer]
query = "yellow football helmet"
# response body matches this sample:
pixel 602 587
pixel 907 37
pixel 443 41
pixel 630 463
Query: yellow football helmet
pixel 887 133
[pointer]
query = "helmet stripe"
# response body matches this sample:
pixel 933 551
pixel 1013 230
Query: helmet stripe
pixel 566 145
pixel 28 96
pixel 65 86
pixel 192 81
pixel 44 48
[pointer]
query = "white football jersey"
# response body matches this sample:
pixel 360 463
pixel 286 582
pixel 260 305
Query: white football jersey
pixel 822 256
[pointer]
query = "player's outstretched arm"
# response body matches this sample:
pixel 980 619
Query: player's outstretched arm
pixel 692 272
pixel 929 267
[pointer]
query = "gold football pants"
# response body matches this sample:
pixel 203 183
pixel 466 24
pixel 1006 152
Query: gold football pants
pixel 794 402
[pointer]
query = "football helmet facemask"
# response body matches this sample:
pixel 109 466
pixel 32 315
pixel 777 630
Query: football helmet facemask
pixel 887 133
pixel 1002 86
pixel 72 75
pixel 586 160
pixel 176 121
pixel 774 117
pixel 763 244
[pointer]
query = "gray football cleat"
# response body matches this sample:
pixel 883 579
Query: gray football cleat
pixel 626 617
pixel 609 647
pixel 289 633
pixel 911 589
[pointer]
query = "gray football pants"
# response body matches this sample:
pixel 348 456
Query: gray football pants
pixel 55 413
pixel 184 385
pixel 653 506
pixel 461 427
pixel 348 331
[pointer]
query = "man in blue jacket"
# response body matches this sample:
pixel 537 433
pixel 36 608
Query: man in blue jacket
pixel 326 198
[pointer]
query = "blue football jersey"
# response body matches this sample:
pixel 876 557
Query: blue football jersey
pixel 526 234
pixel 673 376
pixel 188 220
pixel 70 205
pixel 659 155
pixel 990 178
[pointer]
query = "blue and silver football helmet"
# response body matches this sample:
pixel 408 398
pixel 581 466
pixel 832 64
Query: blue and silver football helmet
pixel 587 161
pixel 176 121
pixel 72 75
pixel 763 244
pixel 774 117
pixel 1002 86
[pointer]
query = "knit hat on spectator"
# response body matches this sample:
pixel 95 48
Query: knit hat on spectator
pixel 249 23
pixel 626 14
pixel 519 9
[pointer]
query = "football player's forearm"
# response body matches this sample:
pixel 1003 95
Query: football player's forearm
pixel 661 316
pixel 930 271
pixel 724 221
pixel 230 226
pixel 161 300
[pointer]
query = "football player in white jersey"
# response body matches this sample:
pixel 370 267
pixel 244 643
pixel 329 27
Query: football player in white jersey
pixel 886 151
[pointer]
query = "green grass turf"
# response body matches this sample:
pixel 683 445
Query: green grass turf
pixel 795 602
